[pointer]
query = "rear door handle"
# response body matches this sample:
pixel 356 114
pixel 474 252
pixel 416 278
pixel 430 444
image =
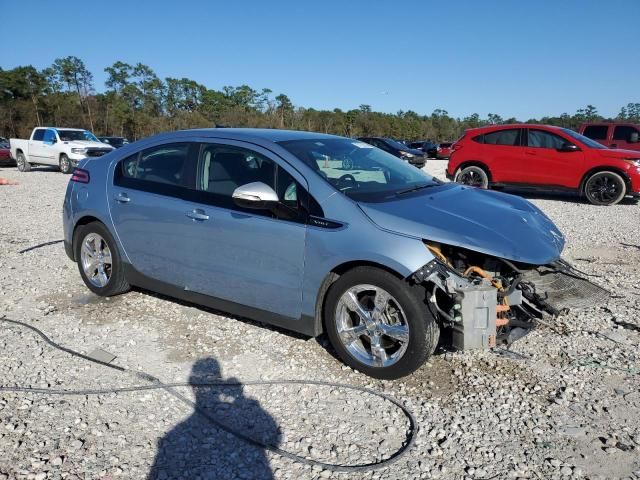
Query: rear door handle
pixel 122 198
pixel 198 214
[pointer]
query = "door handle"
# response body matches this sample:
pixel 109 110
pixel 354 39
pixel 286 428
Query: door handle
pixel 197 214
pixel 122 198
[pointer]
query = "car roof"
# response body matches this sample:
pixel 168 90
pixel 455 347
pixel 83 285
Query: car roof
pixel 63 128
pixel 487 128
pixel 264 134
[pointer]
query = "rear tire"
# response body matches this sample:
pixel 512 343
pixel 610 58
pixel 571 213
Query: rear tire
pixel 65 164
pixel 472 176
pixel 22 163
pixel 405 329
pixel 100 264
pixel 605 188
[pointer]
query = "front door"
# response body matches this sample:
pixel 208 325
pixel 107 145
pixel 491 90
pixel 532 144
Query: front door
pixel 625 137
pixel 548 164
pixel 254 258
pixel 149 210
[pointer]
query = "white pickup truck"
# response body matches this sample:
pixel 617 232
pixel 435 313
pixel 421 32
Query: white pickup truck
pixel 61 147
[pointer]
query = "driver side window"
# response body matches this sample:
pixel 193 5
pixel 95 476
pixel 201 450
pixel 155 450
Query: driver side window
pixel 543 139
pixel 223 168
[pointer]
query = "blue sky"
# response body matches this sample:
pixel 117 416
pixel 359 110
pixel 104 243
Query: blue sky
pixel 513 58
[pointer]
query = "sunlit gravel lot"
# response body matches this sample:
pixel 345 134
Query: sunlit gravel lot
pixel 564 403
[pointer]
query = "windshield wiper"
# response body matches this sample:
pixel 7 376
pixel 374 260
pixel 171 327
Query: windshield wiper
pixel 414 188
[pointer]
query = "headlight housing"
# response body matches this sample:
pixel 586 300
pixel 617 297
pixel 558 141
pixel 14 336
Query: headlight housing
pixel 78 150
pixel 633 161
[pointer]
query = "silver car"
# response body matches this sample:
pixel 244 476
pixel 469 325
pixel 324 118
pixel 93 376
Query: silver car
pixel 316 234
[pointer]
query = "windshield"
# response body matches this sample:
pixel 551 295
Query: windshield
pixel 586 140
pixel 73 135
pixel 358 170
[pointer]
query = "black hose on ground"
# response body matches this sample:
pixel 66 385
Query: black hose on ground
pixel 40 245
pixel 168 387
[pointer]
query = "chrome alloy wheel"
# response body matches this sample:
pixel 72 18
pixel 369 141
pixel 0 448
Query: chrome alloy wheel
pixel 95 258
pixel 372 325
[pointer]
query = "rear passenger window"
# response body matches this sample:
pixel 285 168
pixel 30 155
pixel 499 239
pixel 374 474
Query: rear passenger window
pixel 510 137
pixel 596 132
pixel 162 170
pixel 163 164
pixel 38 134
pixel 544 139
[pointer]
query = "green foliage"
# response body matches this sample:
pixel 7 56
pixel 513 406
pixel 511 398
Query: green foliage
pixel 136 103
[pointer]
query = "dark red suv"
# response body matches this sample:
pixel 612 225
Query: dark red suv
pixel 544 157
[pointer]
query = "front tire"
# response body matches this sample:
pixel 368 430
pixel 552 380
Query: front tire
pixel 65 164
pixel 99 261
pixel 22 163
pixel 472 176
pixel 379 324
pixel 605 188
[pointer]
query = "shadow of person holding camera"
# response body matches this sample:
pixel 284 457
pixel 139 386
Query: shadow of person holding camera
pixel 197 448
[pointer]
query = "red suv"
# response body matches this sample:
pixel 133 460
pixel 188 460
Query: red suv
pixel 545 157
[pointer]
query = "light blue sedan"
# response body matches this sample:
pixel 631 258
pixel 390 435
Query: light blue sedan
pixel 316 234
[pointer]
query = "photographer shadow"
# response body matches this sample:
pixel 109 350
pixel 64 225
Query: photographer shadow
pixel 198 448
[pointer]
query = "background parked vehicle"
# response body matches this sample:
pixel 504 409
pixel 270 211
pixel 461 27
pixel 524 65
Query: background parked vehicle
pixel 443 151
pixel 545 157
pixel 61 147
pixel 425 146
pixel 5 153
pixel 613 134
pixel 116 142
pixel 415 157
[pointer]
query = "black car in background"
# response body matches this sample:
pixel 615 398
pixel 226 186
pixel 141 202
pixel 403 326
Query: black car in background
pixel 115 142
pixel 400 150
pixel 426 146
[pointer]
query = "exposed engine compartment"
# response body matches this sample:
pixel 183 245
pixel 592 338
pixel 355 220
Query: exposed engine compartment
pixel 483 301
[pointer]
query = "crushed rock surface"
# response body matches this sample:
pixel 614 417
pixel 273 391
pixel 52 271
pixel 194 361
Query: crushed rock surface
pixel 563 402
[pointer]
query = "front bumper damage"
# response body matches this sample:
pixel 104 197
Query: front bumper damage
pixel 482 301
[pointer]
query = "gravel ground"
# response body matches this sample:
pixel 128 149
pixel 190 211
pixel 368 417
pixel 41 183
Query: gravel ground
pixel 564 403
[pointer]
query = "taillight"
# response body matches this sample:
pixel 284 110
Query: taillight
pixel 79 175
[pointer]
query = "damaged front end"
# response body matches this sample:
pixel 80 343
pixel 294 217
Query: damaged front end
pixel 482 301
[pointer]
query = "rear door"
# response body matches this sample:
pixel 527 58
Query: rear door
pixel 48 146
pixel 547 164
pixel 254 258
pixel 36 153
pixel 624 136
pixel 149 211
pixel 503 155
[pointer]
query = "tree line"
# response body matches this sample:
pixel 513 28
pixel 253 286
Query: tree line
pixel 136 103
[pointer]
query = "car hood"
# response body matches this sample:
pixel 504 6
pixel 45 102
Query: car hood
pixel 488 222
pixel 620 153
pixel 88 144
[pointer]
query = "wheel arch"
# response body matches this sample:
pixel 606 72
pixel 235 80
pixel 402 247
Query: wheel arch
pixel 87 219
pixel 475 163
pixel 329 280
pixel 605 168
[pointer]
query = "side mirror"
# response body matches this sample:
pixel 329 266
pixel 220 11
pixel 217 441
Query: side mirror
pixel 633 138
pixel 256 195
pixel 569 147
